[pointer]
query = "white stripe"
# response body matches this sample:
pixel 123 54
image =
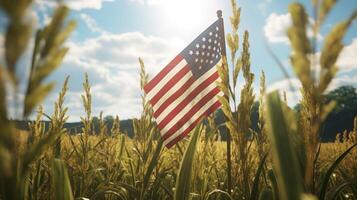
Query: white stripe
pixel 187 108
pixel 166 78
pixel 193 118
pixel 172 90
pixel 177 101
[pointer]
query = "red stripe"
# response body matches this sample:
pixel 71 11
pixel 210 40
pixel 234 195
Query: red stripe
pixel 188 99
pixel 210 110
pixel 174 96
pixel 169 84
pixel 149 86
pixel 190 113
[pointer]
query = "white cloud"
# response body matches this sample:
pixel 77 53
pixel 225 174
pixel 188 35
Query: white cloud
pixel 276 26
pixel 91 23
pixel 75 4
pixel 111 61
pixel 81 4
pixel 343 80
pixel 121 51
pixel 149 2
pixel 275 29
pixel 292 87
pixel 292 84
pixel 347 60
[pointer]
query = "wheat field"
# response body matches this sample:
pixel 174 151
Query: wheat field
pixel 117 167
pixel 283 159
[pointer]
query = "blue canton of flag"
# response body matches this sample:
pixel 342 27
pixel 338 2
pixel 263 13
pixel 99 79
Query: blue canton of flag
pixel 205 51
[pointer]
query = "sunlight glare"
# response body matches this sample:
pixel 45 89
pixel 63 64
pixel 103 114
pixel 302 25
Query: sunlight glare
pixel 193 15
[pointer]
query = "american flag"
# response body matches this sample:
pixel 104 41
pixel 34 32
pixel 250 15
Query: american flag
pixel 186 89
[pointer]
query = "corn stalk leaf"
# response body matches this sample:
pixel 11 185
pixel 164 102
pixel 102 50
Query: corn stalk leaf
pixel 266 194
pixel 60 181
pixel 218 192
pixel 183 181
pixel 36 150
pixel 153 163
pixel 286 165
pixel 337 189
pixel 274 184
pixel 330 170
pixel 255 190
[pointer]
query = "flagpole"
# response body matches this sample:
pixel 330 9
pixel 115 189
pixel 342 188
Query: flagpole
pixel 229 158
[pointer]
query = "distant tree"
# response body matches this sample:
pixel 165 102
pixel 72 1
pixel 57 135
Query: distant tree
pixel 342 116
pixel 109 119
pixel 345 97
pixel 95 119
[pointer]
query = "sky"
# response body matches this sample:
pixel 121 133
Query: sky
pixel 112 34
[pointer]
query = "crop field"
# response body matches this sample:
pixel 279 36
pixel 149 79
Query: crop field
pixel 117 167
pixel 283 159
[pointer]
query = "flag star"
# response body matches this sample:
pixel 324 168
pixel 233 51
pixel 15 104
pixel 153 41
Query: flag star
pixel 201 60
pixel 209 47
pixel 217 28
pixel 197 45
pixel 208 54
pixel 215 41
pixel 202 53
pixel 212 55
pixel 204 39
pixel 210 33
pixel 204 46
pixel 216 35
pixel 191 52
pixel 210 40
pixel 217 56
pixel 214 48
pixel 211 62
pixel 200 67
pixel 196 60
pixel 197 53
pixel 206 61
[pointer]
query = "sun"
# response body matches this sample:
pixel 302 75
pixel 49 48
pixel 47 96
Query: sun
pixel 186 16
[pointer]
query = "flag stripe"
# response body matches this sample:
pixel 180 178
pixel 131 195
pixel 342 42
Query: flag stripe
pixel 179 105
pixel 182 93
pixel 179 135
pixel 165 88
pixel 149 86
pixel 177 90
pixel 166 78
pixel 183 117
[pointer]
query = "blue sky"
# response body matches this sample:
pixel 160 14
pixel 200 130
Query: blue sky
pixel 112 34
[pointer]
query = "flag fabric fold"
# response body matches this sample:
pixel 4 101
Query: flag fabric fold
pixel 186 90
